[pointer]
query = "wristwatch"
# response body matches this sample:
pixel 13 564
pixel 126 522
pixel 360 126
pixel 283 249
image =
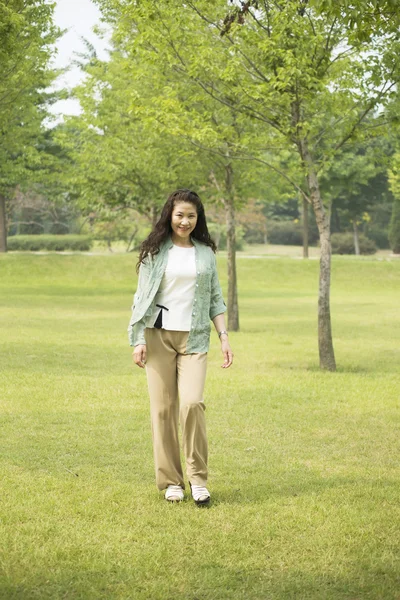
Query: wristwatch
pixel 221 332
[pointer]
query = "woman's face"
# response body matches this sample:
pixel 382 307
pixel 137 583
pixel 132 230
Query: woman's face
pixel 183 219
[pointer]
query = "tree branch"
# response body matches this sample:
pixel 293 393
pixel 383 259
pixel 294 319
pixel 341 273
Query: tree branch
pixel 372 104
pixel 255 159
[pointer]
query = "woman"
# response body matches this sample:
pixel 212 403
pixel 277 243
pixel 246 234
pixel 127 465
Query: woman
pixel 178 293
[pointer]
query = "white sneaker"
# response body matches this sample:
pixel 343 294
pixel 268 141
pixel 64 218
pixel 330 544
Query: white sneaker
pixel 174 493
pixel 200 494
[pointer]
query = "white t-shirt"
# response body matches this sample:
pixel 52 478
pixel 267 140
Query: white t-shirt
pixel 176 292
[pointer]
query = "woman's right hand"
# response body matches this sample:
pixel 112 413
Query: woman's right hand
pixel 139 355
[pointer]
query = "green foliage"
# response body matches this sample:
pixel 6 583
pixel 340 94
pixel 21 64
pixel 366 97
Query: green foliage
pixel 307 75
pixel 288 233
pixel 254 236
pixel 154 128
pixel 218 234
pixel 27 44
pixel 27 37
pixel 121 157
pixel 394 227
pixel 378 235
pixel 356 182
pixel 343 243
pixel 51 243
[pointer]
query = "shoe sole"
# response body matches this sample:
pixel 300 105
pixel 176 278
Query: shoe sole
pixel 202 502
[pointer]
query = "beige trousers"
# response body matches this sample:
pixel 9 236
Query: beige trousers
pixel 171 374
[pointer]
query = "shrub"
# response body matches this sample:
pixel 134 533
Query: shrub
pixel 55 243
pixel 378 235
pixel 289 233
pixel 343 243
pixel 218 234
pixel 254 236
pixel 394 227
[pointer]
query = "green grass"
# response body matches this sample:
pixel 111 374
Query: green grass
pixel 304 468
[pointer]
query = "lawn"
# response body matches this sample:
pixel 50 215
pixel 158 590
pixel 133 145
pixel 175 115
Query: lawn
pixel 304 465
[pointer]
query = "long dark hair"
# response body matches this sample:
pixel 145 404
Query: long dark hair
pixel 162 229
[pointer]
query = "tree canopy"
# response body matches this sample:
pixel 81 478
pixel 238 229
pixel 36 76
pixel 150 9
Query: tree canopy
pixel 27 36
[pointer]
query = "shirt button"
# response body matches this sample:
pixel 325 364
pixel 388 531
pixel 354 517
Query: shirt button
pixel 197 285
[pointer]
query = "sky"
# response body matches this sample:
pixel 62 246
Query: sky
pixel 78 17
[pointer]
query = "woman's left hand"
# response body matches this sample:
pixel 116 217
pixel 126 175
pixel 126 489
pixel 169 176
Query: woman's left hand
pixel 228 354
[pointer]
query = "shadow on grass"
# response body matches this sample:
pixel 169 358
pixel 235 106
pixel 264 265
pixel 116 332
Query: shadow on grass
pixel 380 365
pixel 309 485
pixel 210 579
pixel 271 582
pixel 341 368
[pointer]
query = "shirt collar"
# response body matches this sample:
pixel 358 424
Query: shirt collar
pixel 169 243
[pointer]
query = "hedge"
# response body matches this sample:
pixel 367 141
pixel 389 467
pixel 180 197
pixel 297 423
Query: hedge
pixel 54 243
pixel 288 233
pixel 378 235
pixel 394 227
pixel 343 243
pixel 218 234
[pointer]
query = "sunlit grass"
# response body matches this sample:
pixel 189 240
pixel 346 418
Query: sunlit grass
pixel 304 467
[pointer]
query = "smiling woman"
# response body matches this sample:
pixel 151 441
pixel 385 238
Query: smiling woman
pixel 183 222
pixel 178 293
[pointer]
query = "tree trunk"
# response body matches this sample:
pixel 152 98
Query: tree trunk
pixel 356 239
pixel 3 227
pixel 233 306
pixel 305 228
pixel 325 344
pixel 154 215
pixel 135 230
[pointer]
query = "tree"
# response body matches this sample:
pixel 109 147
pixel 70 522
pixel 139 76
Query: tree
pixel 27 37
pixel 119 160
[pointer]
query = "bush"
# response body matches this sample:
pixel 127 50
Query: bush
pixel 343 243
pixel 378 235
pixel 218 234
pixel 55 243
pixel 254 236
pixel 394 227
pixel 289 233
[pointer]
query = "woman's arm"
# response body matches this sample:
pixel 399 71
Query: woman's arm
pixel 219 324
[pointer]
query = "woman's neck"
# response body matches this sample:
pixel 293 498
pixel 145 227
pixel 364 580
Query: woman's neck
pixel 182 242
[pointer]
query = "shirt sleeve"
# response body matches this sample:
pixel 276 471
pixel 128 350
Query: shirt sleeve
pixel 136 330
pixel 217 304
pixel 136 334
